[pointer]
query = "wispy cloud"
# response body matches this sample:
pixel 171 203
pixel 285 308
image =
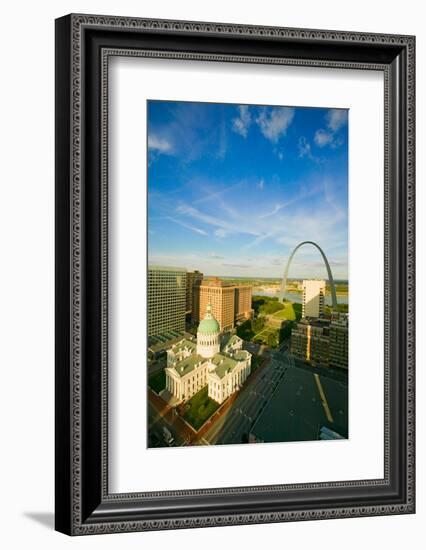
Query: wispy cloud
pixel 222 142
pixel 260 238
pixel 218 177
pixel 273 123
pixel 225 226
pixel 209 194
pixel 336 118
pixel 241 123
pixel 304 148
pixel 158 144
pixel 279 153
pixel 187 226
pixel 272 212
pixel 323 138
pixel 221 233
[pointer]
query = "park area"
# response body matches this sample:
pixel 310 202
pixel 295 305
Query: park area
pixel 287 313
pixel 266 328
pixel 199 408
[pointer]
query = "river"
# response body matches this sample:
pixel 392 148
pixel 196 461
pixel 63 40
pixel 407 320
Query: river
pixel 297 296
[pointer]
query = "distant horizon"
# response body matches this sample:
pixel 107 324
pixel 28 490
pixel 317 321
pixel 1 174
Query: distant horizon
pixel 261 277
pixel 233 188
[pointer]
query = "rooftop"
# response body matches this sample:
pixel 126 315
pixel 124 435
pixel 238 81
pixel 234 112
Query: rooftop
pixel 188 364
pixel 295 412
pixel 166 268
pixel 182 344
pixel 215 281
pixel 229 339
pixel 163 341
pixel 241 355
pixel 224 364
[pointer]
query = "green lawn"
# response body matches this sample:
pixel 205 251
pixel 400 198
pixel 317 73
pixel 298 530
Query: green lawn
pixel 286 314
pixel 157 381
pixel 199 408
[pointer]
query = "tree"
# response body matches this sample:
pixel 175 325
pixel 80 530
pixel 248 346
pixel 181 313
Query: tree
pixel 285 331
pixel 271 340
pixel 257 324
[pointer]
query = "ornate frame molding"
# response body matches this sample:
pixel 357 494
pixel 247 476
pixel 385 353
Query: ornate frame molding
pixel 76 510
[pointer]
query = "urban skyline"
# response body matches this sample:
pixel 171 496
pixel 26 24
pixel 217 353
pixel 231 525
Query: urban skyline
pixel 232 188
pixel 248 291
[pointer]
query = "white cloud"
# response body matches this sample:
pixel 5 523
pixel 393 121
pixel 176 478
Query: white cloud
pixel 274 123
pixel 221 233
pixel 336 118
pixel 241 124
pixel 187 226
pixel 304 148
pixel 323 138
pixel 159 145
pixel 225 226
pixel 272 212
pixel 261 184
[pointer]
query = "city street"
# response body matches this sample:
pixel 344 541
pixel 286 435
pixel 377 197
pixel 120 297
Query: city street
pixel 233 426
pixel 161 415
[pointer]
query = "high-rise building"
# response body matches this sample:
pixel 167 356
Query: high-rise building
pixel 313 298
pixel 166 299
pixel 243 300
pixel 193 278
pixel 339 343
pixel 322 342
pixel 310 341
pixel 221 296
pixel 229 302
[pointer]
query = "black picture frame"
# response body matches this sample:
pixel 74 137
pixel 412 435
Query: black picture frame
pixel 83 45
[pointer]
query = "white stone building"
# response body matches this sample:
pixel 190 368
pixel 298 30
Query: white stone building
pixel 215 360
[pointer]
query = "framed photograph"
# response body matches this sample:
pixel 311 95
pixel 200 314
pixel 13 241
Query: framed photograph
pixel 234 274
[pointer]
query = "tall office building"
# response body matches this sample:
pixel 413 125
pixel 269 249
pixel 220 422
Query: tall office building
pixel 322 342
pixel 339 343
pixel 313 298
pixel 166 299
pixel 221 296
pixel 243 300
pixel 193 278
pixel 230 302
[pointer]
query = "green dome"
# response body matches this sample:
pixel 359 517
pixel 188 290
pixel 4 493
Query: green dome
pixel 208 325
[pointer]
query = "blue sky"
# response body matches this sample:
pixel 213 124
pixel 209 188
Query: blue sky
pixel 232 189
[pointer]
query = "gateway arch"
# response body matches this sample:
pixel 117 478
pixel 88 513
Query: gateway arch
pixel 327 265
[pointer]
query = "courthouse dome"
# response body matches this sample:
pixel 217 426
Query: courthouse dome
pixel 208 325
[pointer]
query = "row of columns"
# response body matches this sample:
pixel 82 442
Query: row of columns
pixel 172 386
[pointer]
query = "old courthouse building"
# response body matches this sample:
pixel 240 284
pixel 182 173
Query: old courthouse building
pixel 215 360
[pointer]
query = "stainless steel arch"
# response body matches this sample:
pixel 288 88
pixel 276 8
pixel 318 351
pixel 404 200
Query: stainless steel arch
pixel 327 265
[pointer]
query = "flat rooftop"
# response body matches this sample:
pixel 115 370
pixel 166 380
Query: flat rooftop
pixel 295 411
